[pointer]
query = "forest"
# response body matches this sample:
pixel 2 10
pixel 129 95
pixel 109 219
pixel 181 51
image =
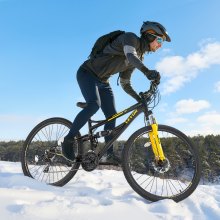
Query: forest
pixel 208 146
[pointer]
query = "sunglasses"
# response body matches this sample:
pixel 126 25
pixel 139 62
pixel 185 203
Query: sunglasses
pixel 159 39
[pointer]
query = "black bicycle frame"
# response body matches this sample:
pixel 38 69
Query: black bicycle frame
pixel 117 131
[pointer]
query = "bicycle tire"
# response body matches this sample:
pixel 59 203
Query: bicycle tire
pixel 41 145
pixel 183 165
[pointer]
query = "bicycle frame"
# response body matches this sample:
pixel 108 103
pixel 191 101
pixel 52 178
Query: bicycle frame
pixel 117 131
pixel 145 167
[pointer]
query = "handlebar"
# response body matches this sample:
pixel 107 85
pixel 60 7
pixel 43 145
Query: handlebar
pixel 151 92
pixel 151 97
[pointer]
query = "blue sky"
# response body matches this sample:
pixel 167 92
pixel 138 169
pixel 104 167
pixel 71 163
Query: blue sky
pixel 43 42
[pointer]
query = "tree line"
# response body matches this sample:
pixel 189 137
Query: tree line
pixel 208 146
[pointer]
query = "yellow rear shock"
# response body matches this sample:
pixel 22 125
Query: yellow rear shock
pixel 155 140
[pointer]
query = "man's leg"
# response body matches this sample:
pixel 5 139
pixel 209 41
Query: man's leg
pixel 108 108
pixel 88 85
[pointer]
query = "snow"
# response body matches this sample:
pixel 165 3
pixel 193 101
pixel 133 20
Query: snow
pixel 98 195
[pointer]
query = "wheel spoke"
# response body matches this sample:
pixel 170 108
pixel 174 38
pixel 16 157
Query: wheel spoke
pixel 154 181
pixel 41 158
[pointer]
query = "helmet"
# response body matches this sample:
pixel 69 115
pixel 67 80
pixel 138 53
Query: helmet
pixel 156 27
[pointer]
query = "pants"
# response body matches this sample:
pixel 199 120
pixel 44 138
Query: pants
pixel 97 94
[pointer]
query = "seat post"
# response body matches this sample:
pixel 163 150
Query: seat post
pixel 93 144
pixel 90 125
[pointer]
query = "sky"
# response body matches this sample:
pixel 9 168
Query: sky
pixel 43 43
pixel 96 195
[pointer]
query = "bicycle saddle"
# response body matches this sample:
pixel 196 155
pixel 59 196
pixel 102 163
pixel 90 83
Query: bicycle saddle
pixel 81 104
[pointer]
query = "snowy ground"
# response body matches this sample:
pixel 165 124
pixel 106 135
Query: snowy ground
pixel 99 195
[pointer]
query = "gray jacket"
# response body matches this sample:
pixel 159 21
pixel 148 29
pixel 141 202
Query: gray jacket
pixel 122 56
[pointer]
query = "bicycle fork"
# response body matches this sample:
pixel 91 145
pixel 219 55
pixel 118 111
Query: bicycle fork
pixel 155 140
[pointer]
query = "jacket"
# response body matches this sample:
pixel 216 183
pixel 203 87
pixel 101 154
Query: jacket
pixel 122 56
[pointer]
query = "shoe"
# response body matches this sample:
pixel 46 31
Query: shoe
pixel 68 148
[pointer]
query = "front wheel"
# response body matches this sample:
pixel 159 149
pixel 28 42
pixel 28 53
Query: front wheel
pixel 179 175
pixel 41 156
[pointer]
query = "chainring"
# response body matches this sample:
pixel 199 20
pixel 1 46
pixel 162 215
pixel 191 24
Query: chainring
pixel 90 161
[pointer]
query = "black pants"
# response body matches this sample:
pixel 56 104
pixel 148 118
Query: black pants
pixel 97 94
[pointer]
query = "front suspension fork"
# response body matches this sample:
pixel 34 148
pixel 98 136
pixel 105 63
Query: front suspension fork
pixel 155 140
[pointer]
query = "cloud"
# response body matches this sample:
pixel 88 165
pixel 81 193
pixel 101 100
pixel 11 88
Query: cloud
pixel 188 124
pixel 210 119
pixel 178 70
pixel 209 123
pixel 176 120
pixel 188 106
pixel 217 86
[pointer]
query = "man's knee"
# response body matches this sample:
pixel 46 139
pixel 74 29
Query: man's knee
pixel 93 106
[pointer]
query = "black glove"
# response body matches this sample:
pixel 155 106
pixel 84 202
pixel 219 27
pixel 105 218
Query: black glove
pixel 152 75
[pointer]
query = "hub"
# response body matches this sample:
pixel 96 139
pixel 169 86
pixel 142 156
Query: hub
pixel 161 166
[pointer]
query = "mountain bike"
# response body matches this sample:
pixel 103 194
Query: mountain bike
pixel 158 161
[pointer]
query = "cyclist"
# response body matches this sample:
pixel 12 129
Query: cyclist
pixel 121 56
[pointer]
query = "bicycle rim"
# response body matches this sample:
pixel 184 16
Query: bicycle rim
pixel 41 155
pixel 176 180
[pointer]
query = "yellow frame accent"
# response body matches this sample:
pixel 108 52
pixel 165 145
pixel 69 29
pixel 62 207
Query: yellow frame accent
pixel 131 116
pixel 116 115
pixel 155 142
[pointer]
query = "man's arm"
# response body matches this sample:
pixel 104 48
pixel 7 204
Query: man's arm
pixel 125 81
pixel 131 55
pixel 130 44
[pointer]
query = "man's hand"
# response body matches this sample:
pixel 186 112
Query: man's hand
pixel 152 75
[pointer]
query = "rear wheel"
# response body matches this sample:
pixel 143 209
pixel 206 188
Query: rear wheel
pixel 176 178
pixel 41 155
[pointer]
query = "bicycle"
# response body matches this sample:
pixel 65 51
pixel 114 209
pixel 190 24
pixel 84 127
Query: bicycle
pixel 158 161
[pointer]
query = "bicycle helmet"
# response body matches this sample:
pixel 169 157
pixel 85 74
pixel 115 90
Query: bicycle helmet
pixel 156 27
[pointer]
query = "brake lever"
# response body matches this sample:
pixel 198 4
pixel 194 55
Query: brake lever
pixel 153 85
pixel 146 95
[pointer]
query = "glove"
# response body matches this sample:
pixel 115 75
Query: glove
pixel 152 75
